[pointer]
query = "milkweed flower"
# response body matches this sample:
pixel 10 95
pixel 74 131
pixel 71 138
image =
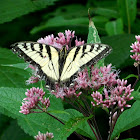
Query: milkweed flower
pixel 117 96
pixel 136 50
pixel 35 100
pixel 46 136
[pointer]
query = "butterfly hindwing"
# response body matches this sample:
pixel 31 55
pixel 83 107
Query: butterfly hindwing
pixel 82 55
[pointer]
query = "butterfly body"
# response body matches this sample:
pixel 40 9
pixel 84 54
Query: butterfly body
pixel 60 66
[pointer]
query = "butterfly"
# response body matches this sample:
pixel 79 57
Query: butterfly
pixel 60 66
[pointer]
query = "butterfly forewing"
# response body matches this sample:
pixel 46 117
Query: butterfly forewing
pixel 43 56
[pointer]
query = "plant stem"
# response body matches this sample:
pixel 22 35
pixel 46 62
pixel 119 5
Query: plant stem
pixel 137 78
pixel 93 130
pixel 96 128
pixel 83 111
pixel 86 105
pixel 55 117
pixel 64 124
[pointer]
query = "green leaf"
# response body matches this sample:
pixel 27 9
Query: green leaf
pixel 72 125
pixel 69 11
pixel 128 119
pixel 114 27
pixel 130 76
pixel 60 21
pixel 7 57
pixel 83 128
pixel 22 66
pixel 106 12
pixel 136 95
pixel 12 9
pixel 4 121
pixel 120 55
pixel 93 36
pixel 14 132
pixel 11 99
pixel 127 10
pixel 58 112
pixel 13 77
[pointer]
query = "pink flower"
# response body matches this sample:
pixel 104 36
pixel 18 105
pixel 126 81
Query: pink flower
pixel 61 40
pixel 42 136
pixel 31 80
pixel 83 80
pixel 119 96
pixel 137 37
pixel 103 76
pixel 35 77
pixel 34 100
pixel 68 92
pixel 136 50
pixel 78 43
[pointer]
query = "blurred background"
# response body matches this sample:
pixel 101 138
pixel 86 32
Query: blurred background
pixel 117 22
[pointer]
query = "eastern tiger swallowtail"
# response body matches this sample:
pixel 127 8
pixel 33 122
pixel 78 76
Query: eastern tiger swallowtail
pixel 60 66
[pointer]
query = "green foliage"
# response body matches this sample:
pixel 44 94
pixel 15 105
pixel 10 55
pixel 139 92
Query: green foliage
pixel 93 36
pixel 13 131
pixel 7 57
pixel 43 17
pixel 114 27
pixel 12 75
pixel 30 123
pixel 72 124
pixel 120 55
pixel 128 119
pixel 109 13
pixel 60 22
pixel 127 10
pixel 12 9
pixel 136 95
pixel 130 76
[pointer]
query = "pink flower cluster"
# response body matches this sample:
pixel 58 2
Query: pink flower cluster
pixel 34 100
pixel 103 76
pixel 42 136
pixel 136 49
pixel 61 40
pixel 35 77
pixel 68 92
pixel 99 77
pixel 119 96
pixel 83 80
